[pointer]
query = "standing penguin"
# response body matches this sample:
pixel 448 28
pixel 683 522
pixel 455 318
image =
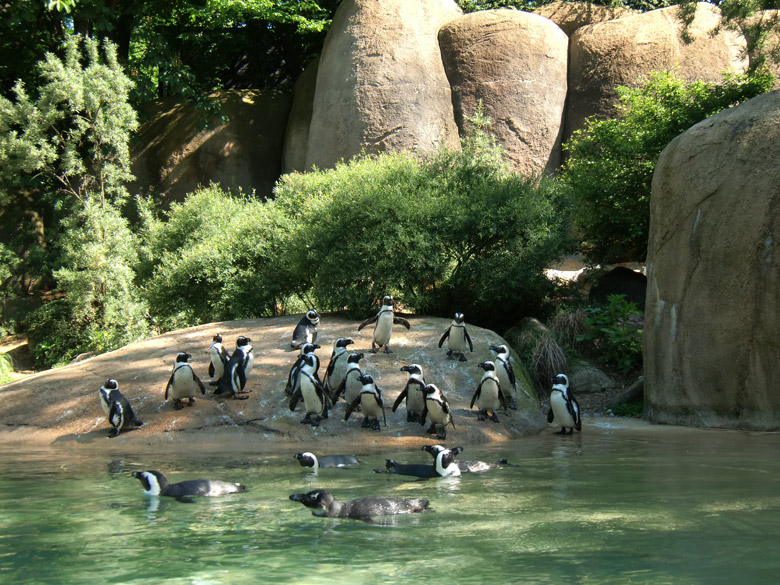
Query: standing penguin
pixel 233 379
pixel 183 383
pixel 118 411
pixel 351 385
pixel 219 357
pixel 457 337
pixel 337 366
pixel 384 319
pixel 489 395
pixel 439 410
pixel 306 329
pixel 315 401
pixel 292 377
pixel 371 403
pixel 505 373
pixel 563 406
pixel 415 399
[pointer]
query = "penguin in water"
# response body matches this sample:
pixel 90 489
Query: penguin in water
pixel 306 329
pixel 457 338
pixel 315 401
pixel 563 406
pixel 505 373
pixel 444 465
pixel 155 484
pixel 438 409
pixel 118 411
pixel 337 366
pixel 308 459
pixel 371 403
pixel 219 358
pixel 323 504
pixel 233 380
pixel 183 383
pixel 351 385
pixel 295 369
pixel 385 319
pixel 466 466
pixel 489 395
pixel 415 399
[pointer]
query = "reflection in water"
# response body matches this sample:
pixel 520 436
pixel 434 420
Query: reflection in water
pixel 607 506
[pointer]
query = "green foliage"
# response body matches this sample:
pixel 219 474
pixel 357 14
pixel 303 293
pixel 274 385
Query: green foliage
pixel 611 336
pixel 6 368
pixel 611 162
pixel 474 5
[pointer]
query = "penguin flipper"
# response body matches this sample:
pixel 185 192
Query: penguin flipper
pixel 211 369
pixel 168 386
pixel 198 383
pixel 445 336
pixel 241 376
pixel 352 407
pixel 476 395
pixel 550 415
pixel 368 321
pixel 424 414
pixel 400 398
pixel 468 339
pixel 401 321
pixel 295 398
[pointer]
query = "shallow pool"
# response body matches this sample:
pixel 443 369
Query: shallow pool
pixel 614 504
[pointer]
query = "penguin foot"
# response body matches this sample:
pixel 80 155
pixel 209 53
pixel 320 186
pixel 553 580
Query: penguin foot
pixel 214 383
pixel 315 422
pixel 375 425
pixel 192 401
pixel 513 404
pixel 412 417
pixel 237 397
pixel 431 430
pixel 387 349
pixel 366 424
pixel 561 432
pixel 462 358
pixel 442 436
pixel 306 419
pixel 113 433
pixel 177 406
pixel 494 417
pixel 138 422
pixel 481 415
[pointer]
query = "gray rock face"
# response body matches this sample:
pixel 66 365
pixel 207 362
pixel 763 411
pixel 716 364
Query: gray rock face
pixel 572 15
pixel 381 84
pixel 296 138
pixel 514 63
pixel 620 52
pixel 712 341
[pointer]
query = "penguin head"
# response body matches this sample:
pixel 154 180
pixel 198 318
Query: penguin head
pixel 387 301
pixel 343 342
pixel 366 379
pixel 561 380
pixel 459 317
pixel 182 357
pixel 306 459
pixel 412 369
pixel 309 348
pixel 313 316
pixel 318 500
pixel 111 384
pixel 354 358
pixel 429 389
pixel 488 366
pixel 434 450
pixel 445 462
pixel 499 349
pixel 153 482
pixel 217 338
pixel 242 341
pixel 309 359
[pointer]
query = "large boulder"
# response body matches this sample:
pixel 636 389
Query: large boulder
pixel 572 15
pixel 514 63
pixel 296 138
pixel 180 148
pixel 381 84
pixel 712 341
pixel 623 51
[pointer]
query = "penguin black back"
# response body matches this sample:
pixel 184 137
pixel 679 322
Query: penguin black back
pixel 322 503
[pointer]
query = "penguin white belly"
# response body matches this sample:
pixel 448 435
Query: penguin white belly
pixel 311 401
pixel 370 406
pixel 384 328
pixel 415 398
pixel 339 369
pixel 488 396
pixel 457 339
pixel 183 385
pixel 250 362
pixel 562 416
pixel 353 386
pixel 216 361
pixel 437 414
pixel 503 379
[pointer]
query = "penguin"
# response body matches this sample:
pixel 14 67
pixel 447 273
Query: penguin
pixel 371 403
pixel 183 383
pixel 337 366
pixel 563 406
pixel 466 466
pixel 118 411
pixel 489 395
pixel 323 504
pixel 219 358
pixel 233 380
pixel 457 337
pixel 306 329
pixel 505 373
pixel 292 377
pixel 385 319
pixel 309 388
pixel 155 484
pixel 439 410
pixel 415 399
pixel 444 465
pixel 308 459
pixel 351 385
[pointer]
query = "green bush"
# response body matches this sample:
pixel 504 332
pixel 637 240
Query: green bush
pixel 611 337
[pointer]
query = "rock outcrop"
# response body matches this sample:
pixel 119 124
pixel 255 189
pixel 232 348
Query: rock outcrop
pixel 711 338
pixel 572 15
pixel 514 63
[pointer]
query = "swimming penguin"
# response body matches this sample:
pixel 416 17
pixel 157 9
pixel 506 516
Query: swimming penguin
pixel 309 388
pixel 371 403
pixel 306 330
pixel 308 459
pixel 183 383
pixel 563 406
pixel 323 504
pixel 415 399
pixel 233 380
pixel 384 319
pixel 118 411
pixel 219 357
pixel 466 466
pixel 505 373
pixel 457 337
pixel 292 377
pixel 337 366
pixel 439 411
pixel 351 385
pixel 444 465
pixel 155 484
pixel 489 395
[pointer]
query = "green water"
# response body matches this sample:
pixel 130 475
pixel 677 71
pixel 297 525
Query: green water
pixel 612 505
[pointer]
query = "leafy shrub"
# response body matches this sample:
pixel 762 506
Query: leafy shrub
pixel 611 337
pixel 6 367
